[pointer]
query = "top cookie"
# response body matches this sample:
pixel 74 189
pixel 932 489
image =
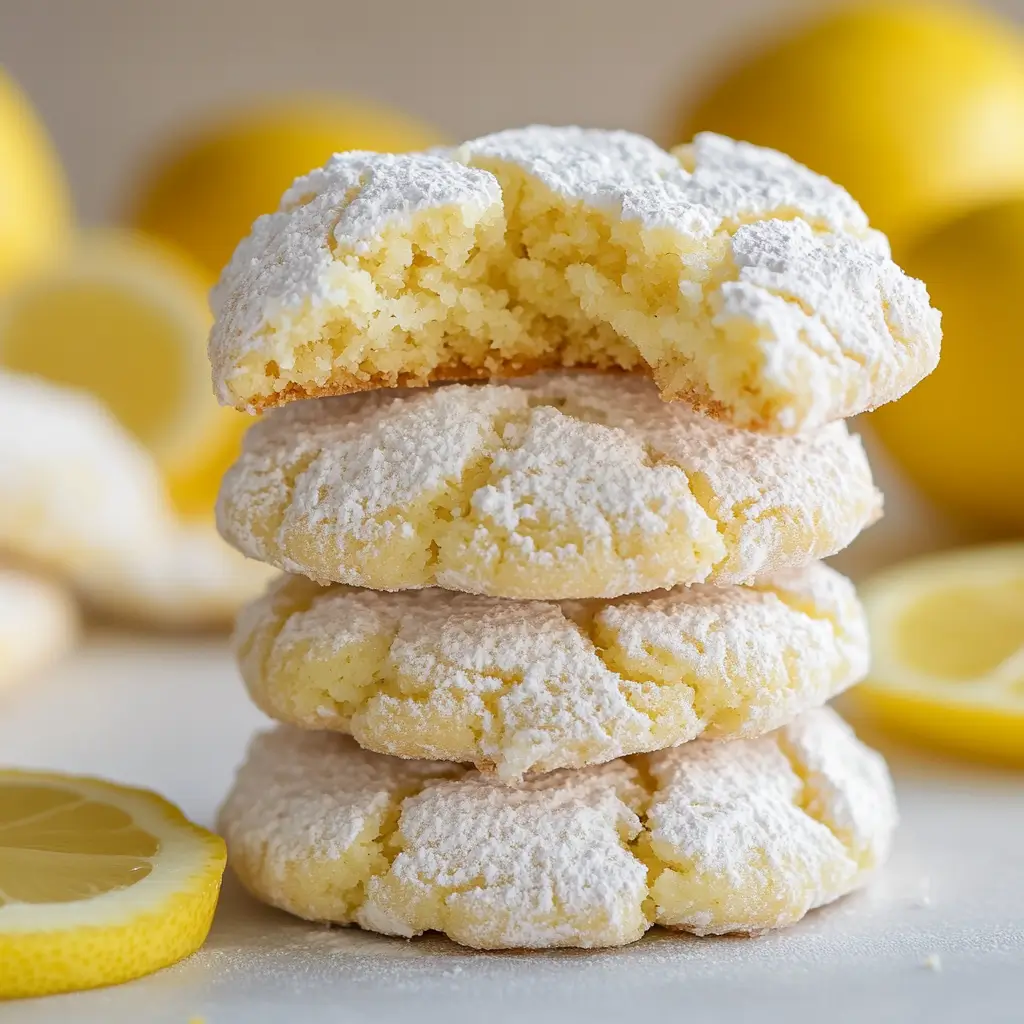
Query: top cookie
pixel 745 283
pixel 558 486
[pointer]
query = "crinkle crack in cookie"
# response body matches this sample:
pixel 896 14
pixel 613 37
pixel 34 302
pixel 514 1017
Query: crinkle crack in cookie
pixel 710 838
pixel 38 624
pixel 529 686
pixel 560 486
pixel 745 283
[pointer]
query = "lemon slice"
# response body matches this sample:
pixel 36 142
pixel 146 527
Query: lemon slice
pixel 126 318
pixel 98 883
pixel 948 660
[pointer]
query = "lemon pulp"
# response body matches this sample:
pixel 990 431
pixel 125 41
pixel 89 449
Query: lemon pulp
pixel 964 633
pixel 98 883
pixel 56 846
pixel 948 638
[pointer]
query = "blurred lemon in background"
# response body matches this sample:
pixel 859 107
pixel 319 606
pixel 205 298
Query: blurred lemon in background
pixel 947 634
pixel 958 434
pixel 205 190
pixel 35 209
pixel 126 318
pixel 917 109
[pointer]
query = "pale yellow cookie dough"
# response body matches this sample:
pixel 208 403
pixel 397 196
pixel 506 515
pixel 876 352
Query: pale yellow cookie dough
pixel 530 686
pixel 568 485
pixel 38 624
pixel 743 282
pixel 711 837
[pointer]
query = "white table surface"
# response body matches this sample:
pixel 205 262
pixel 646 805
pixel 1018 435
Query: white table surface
pixel 938 937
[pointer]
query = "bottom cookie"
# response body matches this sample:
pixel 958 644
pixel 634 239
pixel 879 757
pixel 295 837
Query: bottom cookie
pixel 709 837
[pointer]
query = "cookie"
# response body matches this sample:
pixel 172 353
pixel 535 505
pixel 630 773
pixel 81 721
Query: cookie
pixel 82 498
pixel 190 580
pixel 557 486
pixel 38 624
pixel 530 686
pixel 709 838
pixel 76 486
pixel 744 283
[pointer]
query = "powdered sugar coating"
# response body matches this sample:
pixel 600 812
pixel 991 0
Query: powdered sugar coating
pixel 321 828
pixel 299 315
pixel 558 486
pixel 518 686
pixel 287 260
pixel 693 191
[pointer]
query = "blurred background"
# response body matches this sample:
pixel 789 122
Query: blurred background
pixel 139 140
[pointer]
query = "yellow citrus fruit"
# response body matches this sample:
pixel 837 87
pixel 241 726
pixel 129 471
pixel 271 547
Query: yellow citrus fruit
pixel 206 189
pixel 126 318
pixel 948 640
pixel 98 883
pixel 35 209
pixel 958 433
pixel 916 108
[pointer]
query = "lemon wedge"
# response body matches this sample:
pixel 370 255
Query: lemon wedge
pixel 98 883
pixel 126 318
pixel 948 660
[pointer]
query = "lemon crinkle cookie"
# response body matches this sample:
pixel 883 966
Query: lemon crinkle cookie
pixel 82 498
pixel 709 837
pixel 191 580
pixel 558 486
pixel 38 624
pixel 77 488
pixel 745 283
pixel 531 686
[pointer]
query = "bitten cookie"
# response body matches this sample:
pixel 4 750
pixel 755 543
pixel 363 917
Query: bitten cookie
pixel 531 686
pixel 558 486
pixel 743 282
pixel 709 837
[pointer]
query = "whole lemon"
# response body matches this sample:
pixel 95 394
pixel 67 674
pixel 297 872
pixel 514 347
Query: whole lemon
pixel 205 190
pixel 917 109
pixel 35 208
pixel 959 433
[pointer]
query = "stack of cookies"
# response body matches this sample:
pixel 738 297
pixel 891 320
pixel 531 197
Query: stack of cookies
pixel 552 651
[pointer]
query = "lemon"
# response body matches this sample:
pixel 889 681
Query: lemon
pixel 916 108
pixel 206 189
pixel 35 209
pixel 948 662
pixel 958 434
pixel 98 883
pixel 126 318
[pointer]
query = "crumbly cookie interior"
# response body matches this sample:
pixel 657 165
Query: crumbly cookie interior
pixel 540 283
